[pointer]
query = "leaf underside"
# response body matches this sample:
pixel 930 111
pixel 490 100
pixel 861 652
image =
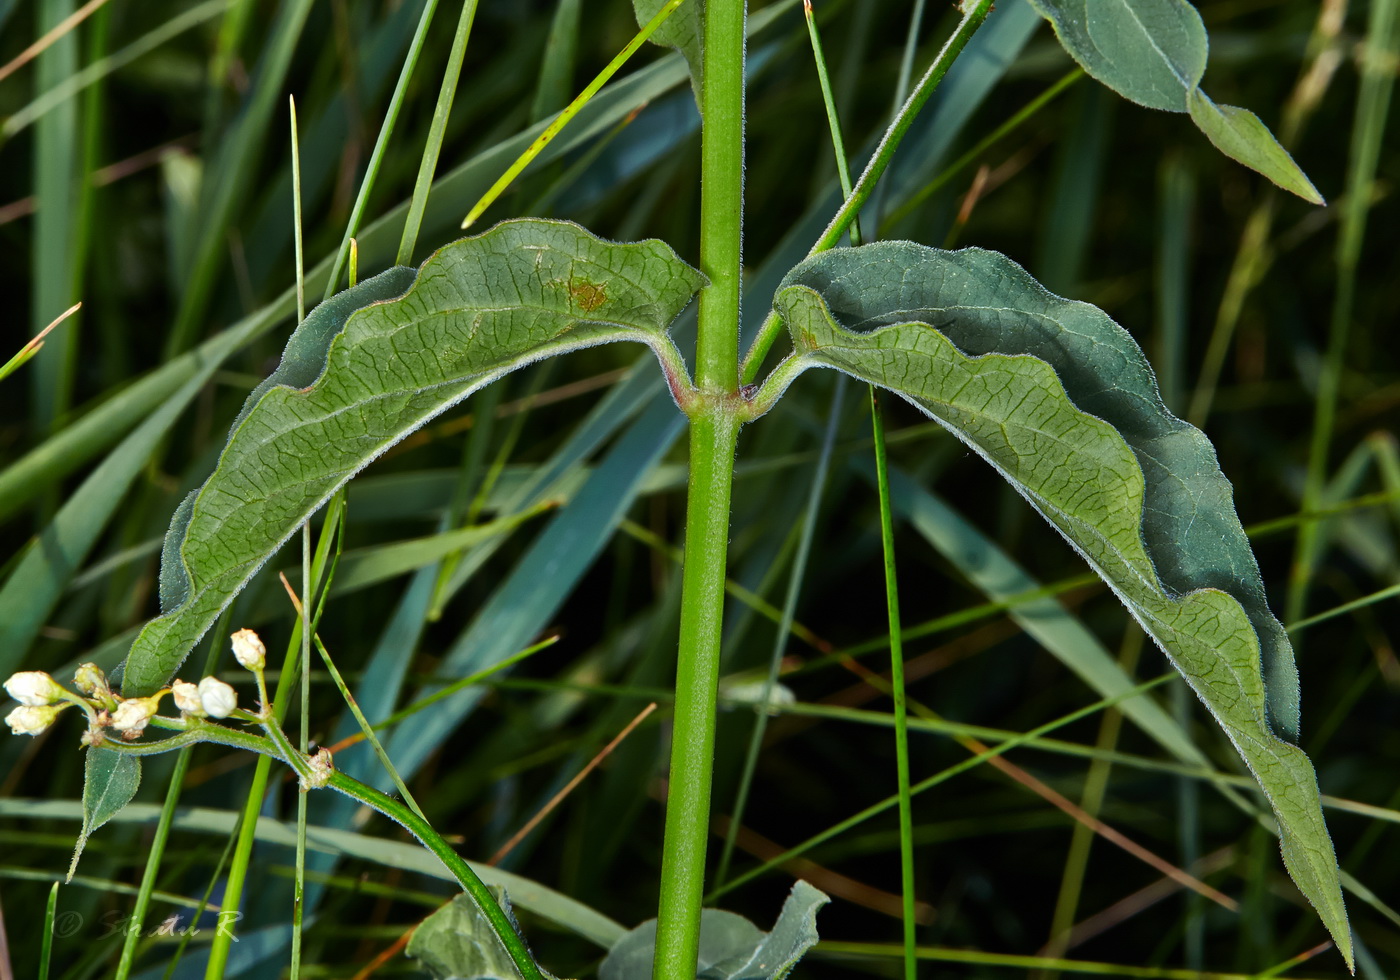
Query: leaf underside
pixel 359 378
pixel 684 31
pixel 1061 401
pixel 110 780
pixel 1153 52
pixel 457 942
pixel 731 947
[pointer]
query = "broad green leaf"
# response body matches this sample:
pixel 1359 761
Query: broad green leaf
pixel 110 780
pixel 684 30
pixel 457 943
pixel 477 309
pixel 1240 135
pixel 1060 400
pixel 731 947
pixel 1154 53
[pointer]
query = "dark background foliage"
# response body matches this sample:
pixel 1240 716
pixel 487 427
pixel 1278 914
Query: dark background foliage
pixel 1102 200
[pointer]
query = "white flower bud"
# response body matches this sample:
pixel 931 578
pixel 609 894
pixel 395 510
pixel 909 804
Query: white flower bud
pixel 322 766
pixel 186 697
pixel 33 688
pixel 249 649
pixel 217 698
pixel 134 714
pixel 90 680
pixel 31 719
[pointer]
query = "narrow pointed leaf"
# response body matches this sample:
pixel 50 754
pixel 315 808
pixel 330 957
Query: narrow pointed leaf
pixel 1240 135
pixel 1060 400
pixel 477 309
pixel 110 780
pixel 1154 53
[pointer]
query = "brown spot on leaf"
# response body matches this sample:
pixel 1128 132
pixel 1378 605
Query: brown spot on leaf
pixel 588 296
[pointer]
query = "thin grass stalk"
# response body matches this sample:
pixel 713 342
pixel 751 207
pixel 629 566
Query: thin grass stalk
pixel 566 116
pixel 943 776
pixel 432 148
pixel 381 145
pixel 1026 112
pixel 901 709
pixel 299 885
pixel 973 18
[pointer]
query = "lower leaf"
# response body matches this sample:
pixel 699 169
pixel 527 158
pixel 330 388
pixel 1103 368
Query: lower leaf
pixel 1060 400
pixel 110 780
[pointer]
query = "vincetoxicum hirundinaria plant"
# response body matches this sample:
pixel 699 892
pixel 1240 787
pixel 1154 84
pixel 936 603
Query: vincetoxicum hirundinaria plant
pixel 1052 393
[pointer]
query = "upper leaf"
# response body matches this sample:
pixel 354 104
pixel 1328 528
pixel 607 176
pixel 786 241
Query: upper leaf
pixel 1154 53
pixel 110 780
pixel 355 383
pixel 731 947
pixel 1061 401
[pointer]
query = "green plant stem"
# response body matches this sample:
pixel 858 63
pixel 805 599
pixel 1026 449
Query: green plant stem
pixel 714 431
pixel 901 708
pixel 1032 107
pixel 973 17
pixel 268 748
pixel 462 871
pixel 712 441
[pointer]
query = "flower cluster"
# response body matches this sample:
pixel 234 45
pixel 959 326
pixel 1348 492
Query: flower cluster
pixel 41 698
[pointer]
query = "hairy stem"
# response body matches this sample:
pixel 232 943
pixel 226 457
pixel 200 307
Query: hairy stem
pixel 713 434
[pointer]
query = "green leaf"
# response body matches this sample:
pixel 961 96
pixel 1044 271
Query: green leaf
pixel 110 780
pixel 478 309
pixel 1240 135
pixel 1060 400
pixel 1150 51
pixel 1154 53
pixel 684 31
pixel 731 947
pixel 457 942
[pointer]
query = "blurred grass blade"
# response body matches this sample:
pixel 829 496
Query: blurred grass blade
pixel 59 91
pixel 566 116
pixel 572 915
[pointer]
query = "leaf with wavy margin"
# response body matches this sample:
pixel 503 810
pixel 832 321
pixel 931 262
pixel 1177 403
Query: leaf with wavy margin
pixel 357 378
pixel 1060 400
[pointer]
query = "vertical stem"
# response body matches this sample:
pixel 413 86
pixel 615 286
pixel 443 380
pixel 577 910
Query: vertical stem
pixel 721 196
pixel 713 434
pixel 712 439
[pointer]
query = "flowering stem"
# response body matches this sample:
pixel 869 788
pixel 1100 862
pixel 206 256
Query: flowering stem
pixel 276 746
